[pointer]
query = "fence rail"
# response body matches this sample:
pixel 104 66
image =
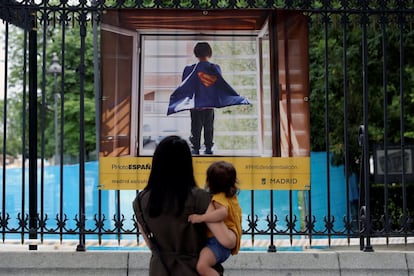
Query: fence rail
pixel 344 30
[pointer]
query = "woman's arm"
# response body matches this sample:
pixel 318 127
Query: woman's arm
pixel 147 241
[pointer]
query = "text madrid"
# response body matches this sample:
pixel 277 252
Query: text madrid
pixel 132 167
pixel 282 181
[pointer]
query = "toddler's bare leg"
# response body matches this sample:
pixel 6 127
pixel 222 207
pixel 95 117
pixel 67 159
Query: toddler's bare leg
pixel 205 263
pixel 224 235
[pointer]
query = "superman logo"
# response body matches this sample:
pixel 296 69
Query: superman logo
pixel 206 79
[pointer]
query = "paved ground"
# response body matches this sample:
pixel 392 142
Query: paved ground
pixel 298 245
pixel 289 263
pixel 343 257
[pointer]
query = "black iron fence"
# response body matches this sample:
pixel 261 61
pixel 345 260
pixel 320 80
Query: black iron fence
pixel 361 78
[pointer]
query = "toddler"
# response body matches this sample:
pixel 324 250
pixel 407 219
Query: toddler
pixel 223 218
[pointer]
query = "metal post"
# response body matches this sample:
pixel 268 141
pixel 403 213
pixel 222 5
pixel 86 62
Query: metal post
pixel 32 138
pixel 82 239
pixel 367 232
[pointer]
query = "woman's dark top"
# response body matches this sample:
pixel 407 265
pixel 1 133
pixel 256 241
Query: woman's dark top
pixel 180 241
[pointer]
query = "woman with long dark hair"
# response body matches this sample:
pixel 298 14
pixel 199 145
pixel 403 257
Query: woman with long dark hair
pixel 163 207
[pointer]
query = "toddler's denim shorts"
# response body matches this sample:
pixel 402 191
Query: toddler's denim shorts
pixel 218 250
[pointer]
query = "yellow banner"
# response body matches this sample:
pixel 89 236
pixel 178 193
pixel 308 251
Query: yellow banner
pixel 253 173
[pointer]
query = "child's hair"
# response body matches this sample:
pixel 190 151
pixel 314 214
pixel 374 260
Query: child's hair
pixel 222 178
pixel 203 49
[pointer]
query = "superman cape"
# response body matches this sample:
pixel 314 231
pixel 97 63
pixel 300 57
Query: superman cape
pixel 203 87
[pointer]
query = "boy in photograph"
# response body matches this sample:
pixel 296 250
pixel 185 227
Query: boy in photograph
pixel 202 89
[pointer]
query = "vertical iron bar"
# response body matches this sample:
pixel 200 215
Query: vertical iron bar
pixel 33 136
pixel 402 127
pixel 24 153
pixel 310 225
pixel 96 75
pixel 97 108
pixel 62 125
pixel 385 118
pixel 42 129
pixel 118 216
pixel 327 126
pixel 272 247
pixel 252 217
pixel 346 141
pixel 81 245
pixel 361 196
pixel 274 74
pixel 291 218
pixel 135 219
pixel 364 23
pixel 3 212
pixel 100 218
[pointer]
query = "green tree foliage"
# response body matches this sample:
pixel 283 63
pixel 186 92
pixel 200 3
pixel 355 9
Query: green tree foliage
pixel 14 127
pixel 72 91
pixel 328 87
pixel 69 81
pixel 11 125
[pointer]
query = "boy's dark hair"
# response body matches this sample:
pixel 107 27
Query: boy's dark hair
pixel 222 178
pixel 203 49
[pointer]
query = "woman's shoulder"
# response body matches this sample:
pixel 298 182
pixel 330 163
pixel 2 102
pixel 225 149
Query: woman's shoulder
pixel 200 199
pixel 198 192
pixel 141 197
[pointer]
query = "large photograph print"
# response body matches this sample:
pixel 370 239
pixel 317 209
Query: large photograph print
pixel 233 83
